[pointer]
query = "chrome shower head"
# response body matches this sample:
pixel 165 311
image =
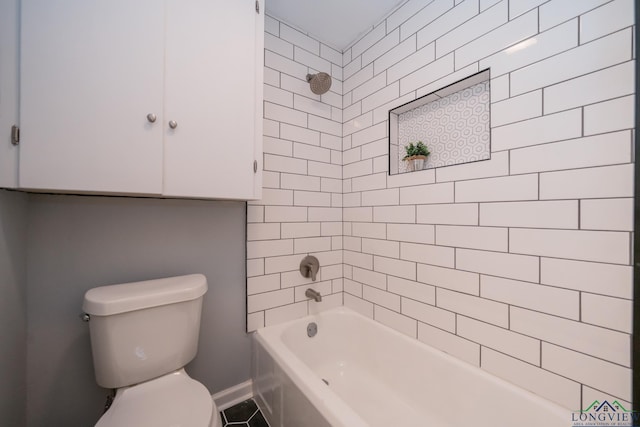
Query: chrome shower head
pixel 320 83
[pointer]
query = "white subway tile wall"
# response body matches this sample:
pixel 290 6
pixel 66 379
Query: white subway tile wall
pixel 301 209
pixel 520 264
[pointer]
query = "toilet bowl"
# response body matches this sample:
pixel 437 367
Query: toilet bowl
pixel 142 336
pixel 172 400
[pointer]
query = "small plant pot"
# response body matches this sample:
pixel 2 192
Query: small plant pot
pixel 415 163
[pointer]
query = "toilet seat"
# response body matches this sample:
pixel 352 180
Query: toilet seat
pixel 173 400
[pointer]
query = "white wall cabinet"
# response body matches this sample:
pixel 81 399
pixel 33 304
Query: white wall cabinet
pixel 142 97
pixel 9 33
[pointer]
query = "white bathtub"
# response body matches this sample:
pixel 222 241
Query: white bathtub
pixel 356 372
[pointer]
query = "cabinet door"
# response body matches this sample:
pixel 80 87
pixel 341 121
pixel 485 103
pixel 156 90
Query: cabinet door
pixel 91 71
pixel 9 31
pixel 212 95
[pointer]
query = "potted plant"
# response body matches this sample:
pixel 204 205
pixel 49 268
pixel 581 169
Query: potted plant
pixel 416 155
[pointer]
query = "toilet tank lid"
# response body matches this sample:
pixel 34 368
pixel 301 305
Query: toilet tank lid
pixel 114 299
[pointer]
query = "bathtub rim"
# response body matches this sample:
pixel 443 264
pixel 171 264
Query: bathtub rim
pixel 316 392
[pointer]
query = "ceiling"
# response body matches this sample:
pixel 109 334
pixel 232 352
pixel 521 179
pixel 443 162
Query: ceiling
pixel 337 23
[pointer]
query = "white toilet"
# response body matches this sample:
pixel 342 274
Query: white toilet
pixel 142 336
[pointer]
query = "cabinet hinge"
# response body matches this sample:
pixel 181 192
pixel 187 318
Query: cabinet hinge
pixel 15 135
pixel 257 6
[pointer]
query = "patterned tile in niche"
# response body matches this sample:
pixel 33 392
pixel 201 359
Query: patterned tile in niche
pixel 454 128
pixel 244 414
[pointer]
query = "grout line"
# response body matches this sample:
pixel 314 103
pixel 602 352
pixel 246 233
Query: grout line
pixel 540 354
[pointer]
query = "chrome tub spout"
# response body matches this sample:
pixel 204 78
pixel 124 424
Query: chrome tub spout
pixel 314 295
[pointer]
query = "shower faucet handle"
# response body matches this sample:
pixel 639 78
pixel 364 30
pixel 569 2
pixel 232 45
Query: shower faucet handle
pixel 309 267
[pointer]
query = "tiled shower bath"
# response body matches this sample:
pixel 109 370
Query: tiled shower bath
pixel 520 264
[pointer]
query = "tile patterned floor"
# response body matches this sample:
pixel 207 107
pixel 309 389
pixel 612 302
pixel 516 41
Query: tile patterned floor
pixel 244 414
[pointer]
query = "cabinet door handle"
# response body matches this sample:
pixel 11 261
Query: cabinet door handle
pixel 173 124
pixel 151 118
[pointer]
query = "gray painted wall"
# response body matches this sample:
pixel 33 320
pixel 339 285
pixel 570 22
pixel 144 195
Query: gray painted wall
pixel 13 307
pixel 79 242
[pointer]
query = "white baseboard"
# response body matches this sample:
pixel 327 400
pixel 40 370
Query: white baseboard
pixel 233 395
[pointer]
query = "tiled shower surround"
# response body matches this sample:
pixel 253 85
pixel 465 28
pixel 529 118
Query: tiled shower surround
pixel 301 208
pixel 520 264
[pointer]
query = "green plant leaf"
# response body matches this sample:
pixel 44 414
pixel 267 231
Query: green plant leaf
pixel 418 149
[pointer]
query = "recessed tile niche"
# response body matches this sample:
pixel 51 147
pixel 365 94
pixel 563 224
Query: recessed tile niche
pixel 453 122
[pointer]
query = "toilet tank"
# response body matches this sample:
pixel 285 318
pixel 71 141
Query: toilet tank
pixel 142 330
